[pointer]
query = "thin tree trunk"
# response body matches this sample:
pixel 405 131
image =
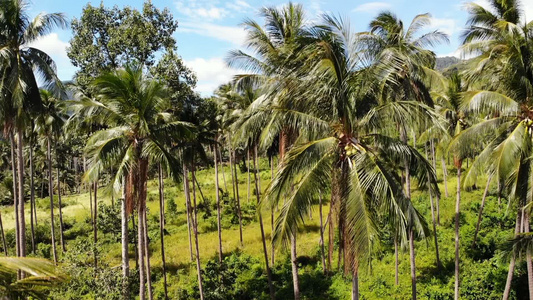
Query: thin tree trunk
pixel 222 169
pixel 20 170
pixel 61 236
pixel 195 229
pixel 135 243
pixel 249 177
pixel 355 285
pixel 188 208
pixel 413 262
pixel 15 192
pixel 322 254
pixel 140 247
pixel 219 224
pixel 51 193
pixel 480 214
pixel 273 249
pixel 445 178
pixel 124 222
pixel 265 253
pixel 457 207
pixel 433 221
pixel 3 235
pixel 162 223
pixel 238 199
pixel 32 202
pixel 95 223
pixel 528 257
pixel 141 181
pixel 147 257
pixel 512 263
pixel 294 264
pixel 396 262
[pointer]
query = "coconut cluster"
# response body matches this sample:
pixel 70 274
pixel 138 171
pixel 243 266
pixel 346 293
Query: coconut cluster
pixel 352 149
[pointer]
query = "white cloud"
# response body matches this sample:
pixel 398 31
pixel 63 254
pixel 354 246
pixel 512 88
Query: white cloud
pixel 372 7
pixel 231 34
pixel 525 5
pixel 211 73
pixel 448 26
pixel 52 45
pixel 201 9
pixel 238 6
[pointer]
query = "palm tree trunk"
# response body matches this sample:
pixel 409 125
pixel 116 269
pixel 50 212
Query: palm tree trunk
pixel 434 230
pixel 126 190
pixel 238 198
pixel 219 224
pixel 396 261
pixel 95 223
pixel 61 236
pixel 3 235
pixel 162 224
pixel 22 222
pixel 249 177
pixel 15 192
pixel 512 263
pixel 51 193
pixel 135 243
pixel 294 264
pixel 32 202
pixel 141 182
pixel 480 214
pixel 222 169
pixel 413 262
pixel 445 178
pixel 195 229
pixel 355 285
pixel 188 208
pixel 140 247
pixel 265 253
pixel 528 257
pixel 147 257
pixel 322 254
pixel 273 249
pixel 457 207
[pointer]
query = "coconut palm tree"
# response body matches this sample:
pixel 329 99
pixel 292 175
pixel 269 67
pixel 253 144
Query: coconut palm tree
pixel 19 90
pixel 134 110
pixel 500 95
pixel 345 147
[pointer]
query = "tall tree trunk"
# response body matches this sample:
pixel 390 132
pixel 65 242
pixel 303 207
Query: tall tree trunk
pixel 528 257
pixel 219 224
pixel 95 223
pixel 322 254
pixel 51 193
pixel 512 263
pixel 15 192
pixel 195 229
pixel 4 243
pixel 480 214
pixel 396 262
pixel 238 198
pixel 188 208
pixel 413 262
pixel 457 210
pixel 126 190
pixel 140 247
pixel 147 257
pixel 273 249
pixel 355 285
pixel 294 264
pixel 222 169
pixel 32 202
pixel 20 170
pixel 135 242
pixel 61 233
pixel 249 177
pixel 434 223
pixel 141 181
pixel 265 252
pixel 162 224
pixel 445 178
pixel 437 196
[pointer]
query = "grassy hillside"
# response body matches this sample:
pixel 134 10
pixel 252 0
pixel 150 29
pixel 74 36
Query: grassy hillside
pixel 483 269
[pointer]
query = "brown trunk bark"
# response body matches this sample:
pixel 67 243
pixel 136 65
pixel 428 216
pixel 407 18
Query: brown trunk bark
pixel 480 214
pixel 195 229
pixel 219 212
pixel 265 253
pixel 51 192
pixel 162 224
pixel 457 210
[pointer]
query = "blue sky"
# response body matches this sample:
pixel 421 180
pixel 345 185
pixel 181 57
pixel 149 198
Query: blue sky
pixel 208 29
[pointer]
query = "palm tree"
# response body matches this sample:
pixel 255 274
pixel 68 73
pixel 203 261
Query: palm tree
pixel 344 147
pixel 501 91
pixel 135 110
pixel 19 88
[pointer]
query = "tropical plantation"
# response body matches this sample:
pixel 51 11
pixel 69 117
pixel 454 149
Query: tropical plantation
pixel 340 163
